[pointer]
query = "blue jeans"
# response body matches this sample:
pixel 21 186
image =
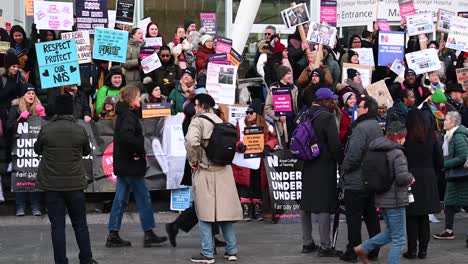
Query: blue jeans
pixel 34 199
pixel 142 198
pixel 206 236
pixel 75 204
pixel 395 220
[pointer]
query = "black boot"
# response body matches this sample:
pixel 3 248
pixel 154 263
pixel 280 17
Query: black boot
pixel 258 212
pixel 330 252
pixel 246 211
pixel 409 254
pixel 172 230
pixel 309 248
pixel 114 240
pixel 218 243
pixel 151 239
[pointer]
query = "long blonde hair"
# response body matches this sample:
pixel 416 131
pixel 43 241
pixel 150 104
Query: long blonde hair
pixel 31 108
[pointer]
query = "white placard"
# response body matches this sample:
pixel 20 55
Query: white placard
pixel 444 19
pixel 111 14
pixel 397 67
pixel 153 42
pixel 321 34
pixel 151 63
pixel 366 56
pixel 364 70
pixel 423 61
pixel 458 34
pixel 221 83
pixel 83 44
pixel 419 23
pixel 143 24
pixel 53 15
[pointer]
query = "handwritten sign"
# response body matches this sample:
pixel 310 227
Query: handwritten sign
pixel 125 11
pixel 30 7
pixel 150 110
pixel 254 141
pixel 458 34
pixel 462 77
pixel 83 44
pixel 423 61
pixel 111 19
pixel 419 23
pixel 4 46
pixel 153 42
pixel 391 47
pixel 91 14
pixel 110 45
pixel 53 15
pixel 281 98
pixel 208 21
pixel 58 63
pixel 444 18
pixel 150 63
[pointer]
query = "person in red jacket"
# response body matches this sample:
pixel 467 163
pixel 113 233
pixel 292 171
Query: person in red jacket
pixel 348 114
pixel 204 52
pixel 251 183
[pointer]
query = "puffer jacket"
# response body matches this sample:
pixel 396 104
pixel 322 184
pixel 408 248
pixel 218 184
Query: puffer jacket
pixel 132 65
pixel 397 195
pixel 458 149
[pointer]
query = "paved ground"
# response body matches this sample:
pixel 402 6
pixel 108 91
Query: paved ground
pixel 27 240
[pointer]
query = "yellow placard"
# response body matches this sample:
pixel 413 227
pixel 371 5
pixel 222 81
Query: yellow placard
pixel 156 110
pixel 254 140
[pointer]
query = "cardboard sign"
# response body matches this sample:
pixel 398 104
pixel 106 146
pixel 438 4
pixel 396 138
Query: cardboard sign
pixel 419 23
pixel 83 45
pixel 150 63
pixel 91 14
pixel 150 110
pixel 406 8
pixel 366 56
pixel 383 25
pixel 281 98
pixel 111 18
pixel 462 77
pixel 444 19
pixel 110 45
pixel 321 34
pixel 364 70
pixel 254 141
pixel 296 15
pixel 58 63
pixel 223 45
pixel 124 11
pixel 380 92
pixel 4 46
pixel 391 47
pixel 180 199
pixel 53 15
pixel 423 61
pixel 208 21
pixel 397 67
pixel 30 7
pixel 458 34
pixel 221 82
pixel 328 12
pixel 143 24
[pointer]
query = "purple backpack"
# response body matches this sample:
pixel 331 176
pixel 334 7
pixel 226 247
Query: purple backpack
pixel 304 141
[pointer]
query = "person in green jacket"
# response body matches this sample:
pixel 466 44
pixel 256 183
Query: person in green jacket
pixel 183 90
pixel 114 81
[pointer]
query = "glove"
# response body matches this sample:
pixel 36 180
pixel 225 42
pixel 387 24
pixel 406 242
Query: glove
pixel 24 115
pixel 40 110
pixel 241 147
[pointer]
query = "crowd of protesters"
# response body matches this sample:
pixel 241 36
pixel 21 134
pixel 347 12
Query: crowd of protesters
pixel 430 111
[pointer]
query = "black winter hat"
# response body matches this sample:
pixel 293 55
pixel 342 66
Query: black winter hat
pixel 409 71
pixel 205 99
pixel 189 70
pixel 11 58
pixel 351 73
pixel 454 87
pixel 281 71
pixel 26 88
pixel 187 23
pixel 115 70
pixel 64 105
pixel 256 106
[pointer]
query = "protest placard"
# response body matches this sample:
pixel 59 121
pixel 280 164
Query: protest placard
pixel 91 14
pixel 150 110
pixel 328 12
pixel 423 61
pixel 111 18
pixel 221 82
pixel 391 47
pixel 406 8
pixel 153 42
pixel 364 70
pixel 223 45
pixel 284 174
pixel 281 98
pixel 58 63
pixel 30 7
pixel 462 77
pixel 234 58
pixel 419 23
pixel 53 15
pixel 444 19
pixel 380 93
pixel 4 46
pixel 143 24
pixel 296 15
pixel 83 44
pixel 150 63
pixel 208 21
pixel 458 34
pixel 366 56
pixel 397 67
pixel 383 25
pixel 321 34
pixel 254 141
pixel 110 45
pixel 125 10
pixel 221 58
pixel 463 14
pixel 180 199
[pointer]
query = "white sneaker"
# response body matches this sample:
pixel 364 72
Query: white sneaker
pixel 230 257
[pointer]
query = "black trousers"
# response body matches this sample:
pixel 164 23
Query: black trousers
pixel 359 206
pixel 450 212
pixel 74 202
pixel 188 219
pixel 418 230
pixel 254 191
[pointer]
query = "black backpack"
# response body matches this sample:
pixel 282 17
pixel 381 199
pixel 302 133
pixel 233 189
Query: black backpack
pixel 376 171
pixel 222 144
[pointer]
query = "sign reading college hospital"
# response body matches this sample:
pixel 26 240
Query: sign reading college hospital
pixel 110 45
pixel 53 15
pixel 58 63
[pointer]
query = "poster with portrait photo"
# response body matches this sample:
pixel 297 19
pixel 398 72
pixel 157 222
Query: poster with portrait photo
pixel 322 34
pixel 296 15
pixel 364 70
pixel 444 19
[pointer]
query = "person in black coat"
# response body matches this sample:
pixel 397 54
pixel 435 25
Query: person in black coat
pixel 319 187
pixel 425 162
pixel 81 109
pixel 412 82
pixel 130 168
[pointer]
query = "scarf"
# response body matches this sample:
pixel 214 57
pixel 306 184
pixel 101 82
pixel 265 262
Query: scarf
pixel 402 106
pixel 447 138
pixel 438 115
pixel 352 112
